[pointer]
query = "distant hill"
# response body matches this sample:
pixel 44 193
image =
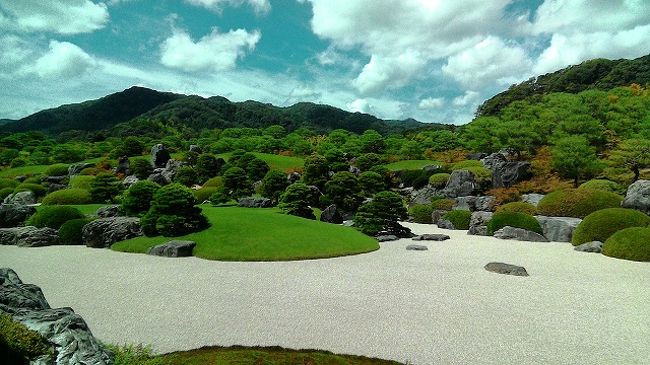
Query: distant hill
pixel 5 121
pixel 600 74
pixel 129 110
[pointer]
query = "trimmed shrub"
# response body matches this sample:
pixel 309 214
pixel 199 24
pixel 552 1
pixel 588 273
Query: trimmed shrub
pixel 517 207
pixel 19 344
pixel 81 182
pixel 68 197
pixel 141 167
pixel 5 192
pixel 274 184
pixel 59 169
pixel 104 188
pixel 54 216
pixel 577 203
pixel 295 201
pixel 90 171
pixel 629 244
pixel 173 213
pixel 219 197
pixel 8 183
pixel 442 204
pixel 415 178
pixel 344 191
pixel 371 183
pixel 137 199
pixel 70 231
pixel 32 180
pixel 421 213
pixel 439 180
pixel 37 189
pixel 382 213
pixel 186 175
pixel 601 224
pixel 513 219
pixel 215 182
pixel 604 185
pixel 459 218
pixel 204 194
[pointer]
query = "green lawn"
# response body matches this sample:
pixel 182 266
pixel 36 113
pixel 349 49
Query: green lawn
pixel 24 170
pixel 249 234
pixel 87 209
pixel 411 164
pixel 277 162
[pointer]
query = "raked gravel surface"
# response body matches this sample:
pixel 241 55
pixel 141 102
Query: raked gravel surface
pixel 427 307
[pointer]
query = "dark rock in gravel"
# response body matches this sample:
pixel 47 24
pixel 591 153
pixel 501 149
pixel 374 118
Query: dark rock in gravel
pixel 387 238
pixel 104 232
pixel 593 246
pixel 519 234
pixel 507 269
pixel 445 224
pixel 331 214
pixel 12 215
pixel 431 237
pixel 108 211
pixel 173 248
pixel 437 214
pixel 478 223
pixel 29 236
pixel 558 229
pixel 417 248
pixel 255 203
pixel 485 203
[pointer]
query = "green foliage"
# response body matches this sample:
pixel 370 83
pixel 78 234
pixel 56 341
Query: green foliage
pixel 5 192
pixel 482 175
pixel 513 219
pixel 411 165
pixel 573 158
pixel 68 197
pixel 141 167
pixel 38 189
pixel 465 165
pixel 185 175
pixel 601 224
pixel 439 180
pixel 135 355
pixel 367 161
pixel 295 201
pixel 517 207
pixel 459 218
pixel 415 178
pixel 256 169
pixel 443 204
pixel 215 182
pixel 19 344
pixel 54 216
pixel 104 188
pixel 137 199
pixel 173 213
pixel 236 183
pixel 629 244
pixel 58 169
pixel 18 162
pixel 219 197
pixel 633 154
pixel 371 183
pixel 577 203
pixel 343 190
pixel 604 185
pixel 8 183
pixel 316 170
pixel 421 213
pixel 208 166
pixel 381 214
pixel 70 232
pixel 274 184
pixel 204 193
pixel 81 182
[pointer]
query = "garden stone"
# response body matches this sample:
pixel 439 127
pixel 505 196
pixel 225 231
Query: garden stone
pixel 507 269
pixel 169 172
pixel 416 248
pixel 485 203
pixel 437 214
pixel 431 168
pixel 445 224
pixel 387 238
pixel 293 177
pixel 123 166
pixel 638 196
pixel 75 169
pixel 510 173
pixel 157 177
pixel 20 178
pixel 29 236
pixel 129 181
pixel 104 232
pixel 108 211
pixel 431 237
pixel 196 149
pixel 492 160
pixel 397 230
pixel 12 215
pixel 460 183
pixel 21 198
pixel 465 203
pixel 558 229
pixel 354 170
pixel 173 248
pixel 478 223
pixel 593 246
pixel 422 196
pixel 519 234
pixel 533 198
pixel 476 156
pixel 159 155
pixel 56 187
pixel 55 179
pixel 331 214
pixel 255 203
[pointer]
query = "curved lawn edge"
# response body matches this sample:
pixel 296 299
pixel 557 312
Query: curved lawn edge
pixel 257 234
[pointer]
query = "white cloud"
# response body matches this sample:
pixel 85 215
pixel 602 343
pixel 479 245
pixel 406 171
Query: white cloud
pixel 61 16
pixel 213 52
pixel 431 103
pixel 62 60
pixel 360 106
pixel 489 61
pixel 13 51
pixel 259 6
pixel 389 72
pixel 469 98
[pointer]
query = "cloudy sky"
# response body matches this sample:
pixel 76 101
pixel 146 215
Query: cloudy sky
pixel 433 60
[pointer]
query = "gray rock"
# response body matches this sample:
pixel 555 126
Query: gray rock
pixel 104 232
pixel 445 224
pixel 387 238
pixel 29 236
pixel 593 246
pixel 478 223
pixel 476 156
pixel 196 149
pixel 354 170
pixel 56 187
pixel 558 229
pixel 460 183
pixel 485 203
pixel 422 196
pixel 417 248
pixel 431 237
pixel 533 198
pixel 331 214
pixel 21 198
pixel 157 177
pixel 76 168
pixel 465 203
pixel 507 269
pixel 293 177
pixel 129 181
pixel 61 179
pixel 20 178
pixel 108 211
pixel 437 214
pixel 14 294
pixel 506 173
pixel 431 168
pixel 12 215
pixel 159 155
pixel 396 230
pixel 123 166
pixel 494 159
pixel 165 175
pixel 173 248
pixel 638 196
pixel 255 203
pixel 519 234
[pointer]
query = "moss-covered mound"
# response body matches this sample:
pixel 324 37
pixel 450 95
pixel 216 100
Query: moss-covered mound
pixel 421 213
pixel 513 219
pixel 604 185
pixel 68 197
pixel 442 204
pixel 517 207
pixel 70 232
pixel 54 216
pixel 19 344
pixel 577 203
pixel 629 244
pixel 459 218
pixel 600 225
pixel 439 180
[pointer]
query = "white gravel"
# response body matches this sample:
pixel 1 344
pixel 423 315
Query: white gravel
pixel 432 307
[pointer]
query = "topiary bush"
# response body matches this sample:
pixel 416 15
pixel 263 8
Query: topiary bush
pixel 68 197
pixel 59 169
pixel 421 213
pixel 601 224
pixel 141 167
pixel 439 180
pixel 577 203
pixel 604 185
pixel 54 216
pixel 37 189
pixel 518 207
pixel 443 204
pixel 70 232
pixel 274 184
pixel 104 188
pixel 204 194
pixel 382 213
pixel 5 192
pixel 629 244
pixel 186 175
pixel 137 199
pixel 459 218
pixel 19 344
pixel 215 182
pixel 81 182
pixel 295 201
pixel 513 219
pixel 8 183
pixel 173 213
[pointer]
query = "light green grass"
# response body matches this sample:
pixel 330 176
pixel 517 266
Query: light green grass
pixel 249 234
pixel 87 209
pixel 411 164
pixel 24 170
pixel 276 162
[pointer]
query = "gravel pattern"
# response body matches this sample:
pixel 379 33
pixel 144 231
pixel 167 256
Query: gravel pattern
pixel 436 307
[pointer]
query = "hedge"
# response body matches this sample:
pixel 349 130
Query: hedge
pixel 459 218
pixel 70 231
pixel 601 224
pixel 68 197
pixel 421 213
pixel 518 207
pixel 577 203
pixel 54 216
pixel 59 169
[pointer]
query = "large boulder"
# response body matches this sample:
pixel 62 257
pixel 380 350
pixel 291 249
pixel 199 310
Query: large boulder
pixel 159 155
pixel 173 248
pixel 485 203
pixel 293 177
pixel 108 211
pixel 437 214
pixel 478 223
pixel 165 175
pixel 519 234
pixel 12 215
pixel 21 198
pixel 532 198
pixel 506 173
pixel 460 183
pixel 331 214
pixel 104 232
pixel 76 168
pixel 593 246
pixel 558 229
pixel 465 203
pixel 129 181
pixel 422 196
pixel 638 196
pixel 445 224
pixel 506 269
pixel 67 331
pixel 255 203
pixel 494 159
pixel 123 166
pixel 29 236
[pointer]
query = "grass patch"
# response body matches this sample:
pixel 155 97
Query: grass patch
pixel 86 209
pixel 249 234
pixel 24 170
pixel 276 162
pixel 411 164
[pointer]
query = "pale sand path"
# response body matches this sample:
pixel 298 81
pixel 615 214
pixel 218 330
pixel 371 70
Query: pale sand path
pixel 434 307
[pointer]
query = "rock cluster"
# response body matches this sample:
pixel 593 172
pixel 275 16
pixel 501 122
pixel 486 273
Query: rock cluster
pixel 29 236
pixel 558 229
pixel 255 203
pixel 519 234
pixel 638 196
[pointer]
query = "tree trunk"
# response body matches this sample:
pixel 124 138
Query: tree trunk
pixel 636 174
pixel 575 182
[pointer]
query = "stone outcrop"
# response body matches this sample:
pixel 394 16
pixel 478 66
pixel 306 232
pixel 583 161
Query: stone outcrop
pixel 519 234
pixel 12 215
pixel 558 229
pixel 445 224
pixel 422 196
pixel 638 196
pixel 293 177
pixel 108 211
pixel 76 168
pixel 331 214
pixel 506 269
pixel 506 173
pixel 485 203
pixel 416 248
pixel 478 223
pixel 460 183
pixel 29 236
pixel 129 181
pixel 123 166
pixel 437 214
pixel 195 149
pixel 165 175
pixel 533 198
pixel 159 155
pixel 21 198
pixel 255 203
pixel 104 232
pixel 174 248
pixel 465 203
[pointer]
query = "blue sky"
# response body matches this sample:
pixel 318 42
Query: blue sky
pixel 433 60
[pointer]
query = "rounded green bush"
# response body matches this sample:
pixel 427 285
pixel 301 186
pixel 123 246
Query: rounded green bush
pixel 601 224
pixel 204 193
pixel 421 213
pixel 59 169
pixel 37 189
pixel 8 183
pixel 513 219
pixel 439 180
pixel 90 171
pixel 443 204
pixel 5 192
pixel 482 175
pixel 81 182
pixel 32 180
pixel 629 244
pixel 137 199
pixel 577 203
pixel 54 216
pixel 173 213
pixel 459 218
pixel 68 197
pixel 70 231
pixel 604 185
pixel 215 182
pixel 518 207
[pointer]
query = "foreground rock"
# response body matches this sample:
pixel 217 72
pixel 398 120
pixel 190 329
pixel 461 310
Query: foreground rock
pixel 12 215
pixel 506 269
pixel 67 331
pixel 478 223
pixel 558 229
pixel 331 214
pixel 431 237
pixel 386 238
pixel 255 203
pixel 129 181
pixel 445 224
pixel 104 232
pixel 638 196
pixel 460 183
pixel 593 246
pixel 173 248
pixel 108 211
pixel 416 248
pixel 29 236
pixel 422 196
pixel 437 214
pixel 519 234
pixel 21 198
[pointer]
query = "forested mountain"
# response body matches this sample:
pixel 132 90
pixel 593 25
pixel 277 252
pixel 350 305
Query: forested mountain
pixel 598 74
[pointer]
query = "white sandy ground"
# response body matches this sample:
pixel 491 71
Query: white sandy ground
pixel 434 307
